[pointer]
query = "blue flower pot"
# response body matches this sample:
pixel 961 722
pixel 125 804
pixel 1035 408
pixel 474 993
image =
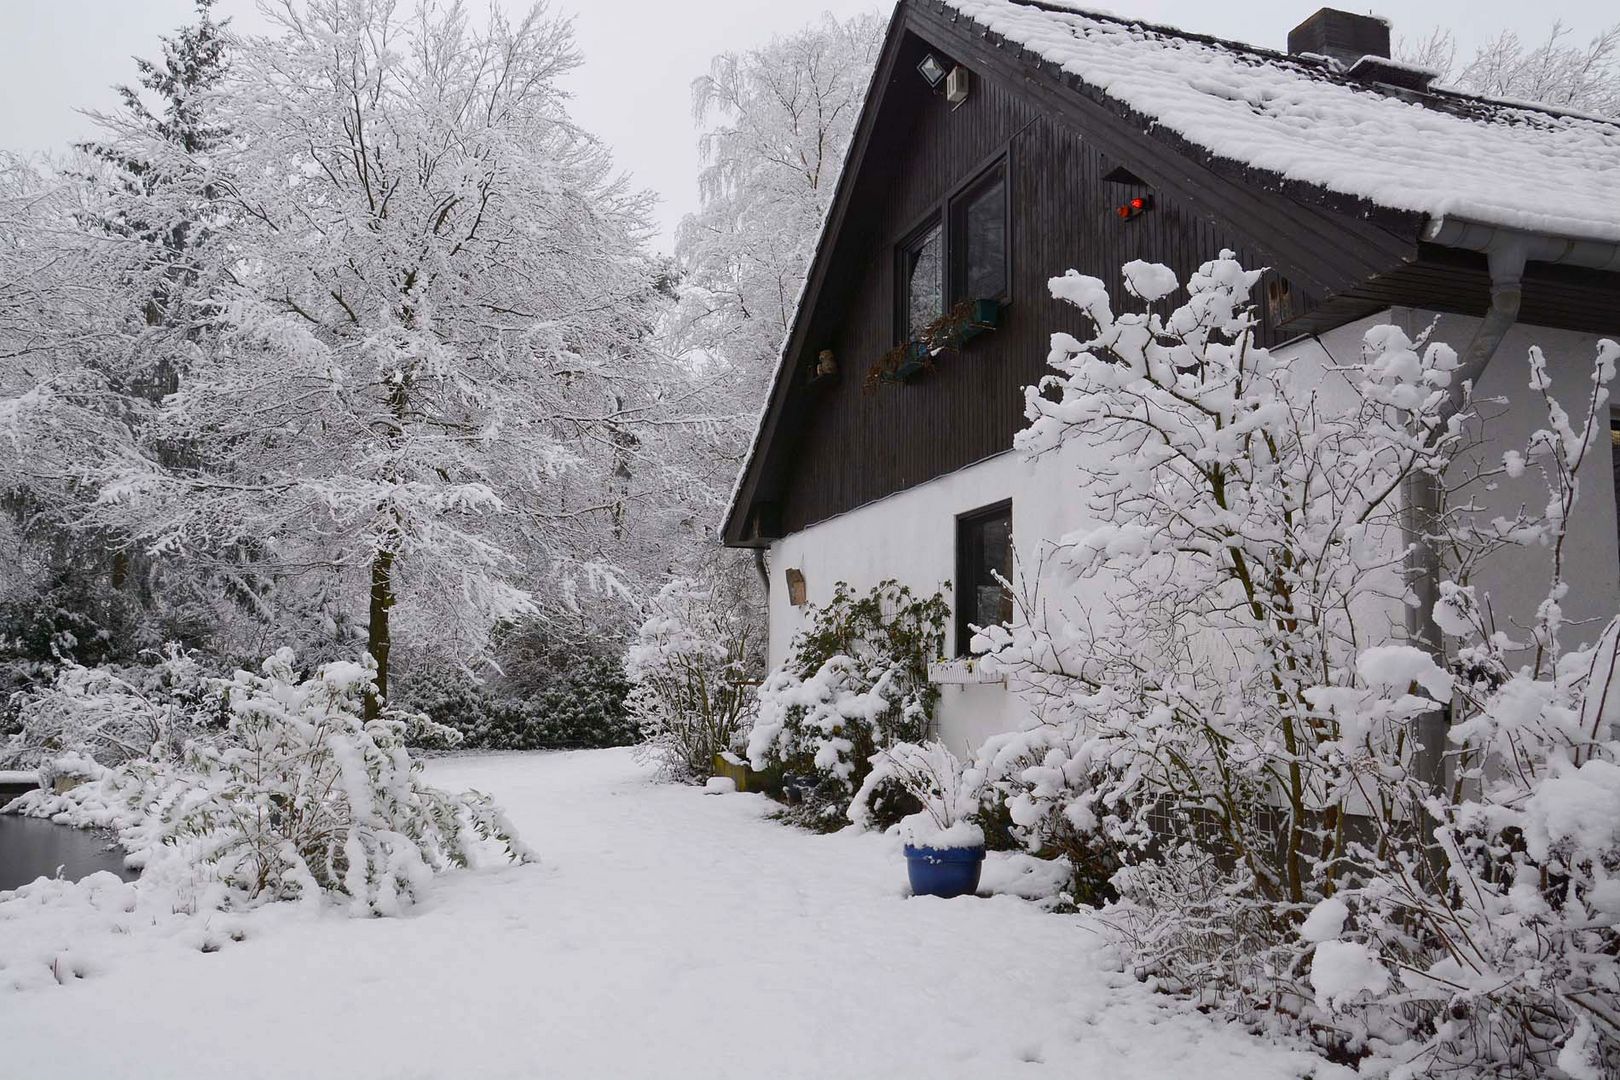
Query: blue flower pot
pixel 944 872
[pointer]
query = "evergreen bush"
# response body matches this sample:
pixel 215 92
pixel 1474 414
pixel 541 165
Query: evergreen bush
pixel 581 706
pixel 856 682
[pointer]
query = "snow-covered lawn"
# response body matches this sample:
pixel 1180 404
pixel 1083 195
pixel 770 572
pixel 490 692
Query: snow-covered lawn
pixel 666 933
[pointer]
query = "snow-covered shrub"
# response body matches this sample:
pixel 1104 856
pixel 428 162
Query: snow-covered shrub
pixel 690 667
pixel 1039 787
pixel 112 714
pixel 856 682
pixel 1234 723
pixel 949 791
pixel 1508 954
pixel 304 798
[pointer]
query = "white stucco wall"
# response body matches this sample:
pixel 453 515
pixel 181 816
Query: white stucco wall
pixel 1517 577
pixel 911 536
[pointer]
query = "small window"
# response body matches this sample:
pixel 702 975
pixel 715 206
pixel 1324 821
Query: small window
pixel 983 550
pixel 979 240
pixel 922 280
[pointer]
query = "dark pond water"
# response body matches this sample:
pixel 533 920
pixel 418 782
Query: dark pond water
pixel 34 847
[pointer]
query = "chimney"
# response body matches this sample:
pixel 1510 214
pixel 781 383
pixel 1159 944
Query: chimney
pixel 1342 35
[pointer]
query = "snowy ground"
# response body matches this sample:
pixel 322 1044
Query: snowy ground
pixel 666 934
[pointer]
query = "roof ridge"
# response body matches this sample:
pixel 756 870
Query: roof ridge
pixel 1306 63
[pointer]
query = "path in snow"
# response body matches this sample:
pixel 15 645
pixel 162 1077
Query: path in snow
pixel 667 934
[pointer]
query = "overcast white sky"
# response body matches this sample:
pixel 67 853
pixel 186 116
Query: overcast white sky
pixel 58 56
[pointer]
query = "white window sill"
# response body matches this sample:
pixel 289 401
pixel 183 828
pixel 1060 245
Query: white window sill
pixel 962 671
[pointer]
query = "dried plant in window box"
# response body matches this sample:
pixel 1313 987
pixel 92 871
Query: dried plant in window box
pixel 962 323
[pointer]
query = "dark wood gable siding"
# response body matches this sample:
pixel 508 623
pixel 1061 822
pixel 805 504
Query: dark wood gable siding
pixel 827 449
pixel 854 447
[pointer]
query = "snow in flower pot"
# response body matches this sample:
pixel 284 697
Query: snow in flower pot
pixel 944 847
pixel 942 862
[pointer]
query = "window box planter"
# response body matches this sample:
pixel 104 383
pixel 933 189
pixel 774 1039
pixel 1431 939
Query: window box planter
pixel 982 317
pixel 906 361
pixel 962 671
pixel 917 359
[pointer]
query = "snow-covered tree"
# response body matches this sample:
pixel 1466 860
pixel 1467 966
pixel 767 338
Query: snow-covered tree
pixel 1558 71
pixel 165 213
pixel 780 119
pixel 100 308
pixel 1226 713
pixel 690 666
pixel 430 359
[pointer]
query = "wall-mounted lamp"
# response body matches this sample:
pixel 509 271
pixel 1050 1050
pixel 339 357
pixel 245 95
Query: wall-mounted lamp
pixel 932 70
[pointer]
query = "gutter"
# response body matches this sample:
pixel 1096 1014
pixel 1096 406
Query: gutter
pixel 1506 250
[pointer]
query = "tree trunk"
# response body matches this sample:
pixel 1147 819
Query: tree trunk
pixel 378 637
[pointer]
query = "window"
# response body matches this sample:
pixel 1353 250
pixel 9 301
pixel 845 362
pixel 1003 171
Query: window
pixel 922 279
pixel 960 253
pixel 983 550
pixel 979 240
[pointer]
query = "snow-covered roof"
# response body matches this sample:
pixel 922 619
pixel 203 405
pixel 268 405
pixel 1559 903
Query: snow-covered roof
pixel 1439 154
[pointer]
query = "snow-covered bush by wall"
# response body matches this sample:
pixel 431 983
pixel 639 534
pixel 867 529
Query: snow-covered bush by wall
pixel 1509 954
pixel 1237 729
pixel 302 799
pixel 855 682
pixel 1039 782
pixel 690 666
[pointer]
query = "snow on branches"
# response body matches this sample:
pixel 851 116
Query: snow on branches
pixel 855 683
pixel 780 122
pixel 300 797
pixel 426 381
pixel 1232 720
pixel 690 669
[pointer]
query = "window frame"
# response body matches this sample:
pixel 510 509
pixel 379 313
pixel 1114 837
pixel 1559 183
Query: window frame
pixel 908 243
pixel 945 212
pixel 966 584
pixel 956 229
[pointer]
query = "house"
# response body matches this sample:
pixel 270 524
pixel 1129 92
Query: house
pixel 1003 142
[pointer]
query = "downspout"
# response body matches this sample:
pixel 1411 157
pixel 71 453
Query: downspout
pixel 1506 251
pixel 1421 492
pixel 762 567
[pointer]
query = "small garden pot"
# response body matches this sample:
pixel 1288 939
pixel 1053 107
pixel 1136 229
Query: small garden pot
pixel 944 872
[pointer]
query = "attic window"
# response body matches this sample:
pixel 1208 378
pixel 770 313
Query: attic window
pixel 979 240
pixel 922 278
